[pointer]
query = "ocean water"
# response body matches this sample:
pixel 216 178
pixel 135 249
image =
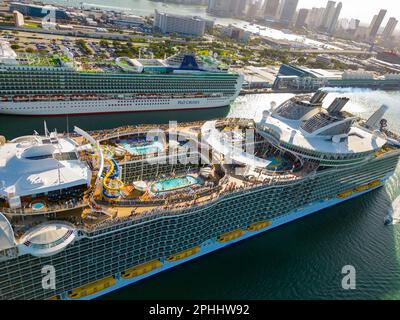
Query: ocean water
pixel 300 260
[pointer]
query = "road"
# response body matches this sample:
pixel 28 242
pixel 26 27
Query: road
pixel 341 52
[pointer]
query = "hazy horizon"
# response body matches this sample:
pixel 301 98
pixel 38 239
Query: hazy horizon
pixel 351 8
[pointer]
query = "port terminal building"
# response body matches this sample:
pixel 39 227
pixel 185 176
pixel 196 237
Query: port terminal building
pixel 39 11
pixel 298 78
pixel 259 77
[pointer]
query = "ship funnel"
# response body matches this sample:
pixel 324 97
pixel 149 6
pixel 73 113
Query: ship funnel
pixel 337 105
pixel 318 97
pixel 374 121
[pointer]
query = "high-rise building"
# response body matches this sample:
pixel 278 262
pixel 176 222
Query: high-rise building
pixel 288 10
pixel 334 20
pixel 376 24
pixel 271 8
pixel 301 18
pixel 354 23
pixel 254 9
pixel 314 19
pixel 241 8
pixel 389 29
pixel 224 8
pixel 361 33
pixel 343 24
pixel 187 25
pixel 328 15
pixel 18 18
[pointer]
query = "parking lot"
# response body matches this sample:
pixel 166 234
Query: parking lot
pixel 49 44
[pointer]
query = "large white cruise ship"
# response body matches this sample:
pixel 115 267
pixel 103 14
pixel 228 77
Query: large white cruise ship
pixel 183 81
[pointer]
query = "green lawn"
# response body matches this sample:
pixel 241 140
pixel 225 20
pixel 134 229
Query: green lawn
pixel 203 52
pixel 32 25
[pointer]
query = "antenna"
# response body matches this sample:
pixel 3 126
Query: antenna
pixel 46 132
pixel 59 173
pixel 67 126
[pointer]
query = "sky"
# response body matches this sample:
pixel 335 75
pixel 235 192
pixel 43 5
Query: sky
pixel 360 9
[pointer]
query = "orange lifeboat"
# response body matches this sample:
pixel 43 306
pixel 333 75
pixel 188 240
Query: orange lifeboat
pixel 4 98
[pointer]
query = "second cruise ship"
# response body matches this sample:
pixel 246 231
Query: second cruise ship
pixel 59 86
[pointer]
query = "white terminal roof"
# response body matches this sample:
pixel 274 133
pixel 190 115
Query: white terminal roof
pixel 358 139
pixel 28 166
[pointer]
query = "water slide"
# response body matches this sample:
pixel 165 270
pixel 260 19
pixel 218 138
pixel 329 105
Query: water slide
pixel 112 185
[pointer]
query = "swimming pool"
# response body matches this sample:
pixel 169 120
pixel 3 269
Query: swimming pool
pixel 173 184
pixel 37 206
pixel 141 148
pixel 278 163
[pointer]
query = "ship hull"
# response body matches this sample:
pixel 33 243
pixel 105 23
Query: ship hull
pixel 211 245
pixel 80 107
pixel 112 250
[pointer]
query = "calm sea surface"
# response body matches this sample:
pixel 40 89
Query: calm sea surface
pixel 300 260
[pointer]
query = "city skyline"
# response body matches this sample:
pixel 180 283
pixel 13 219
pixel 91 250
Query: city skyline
pixel 351 9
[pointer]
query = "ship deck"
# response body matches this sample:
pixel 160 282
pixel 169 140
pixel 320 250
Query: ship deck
pixel 109 200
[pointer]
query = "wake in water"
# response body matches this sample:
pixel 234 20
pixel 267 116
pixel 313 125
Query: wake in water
pixel 394 211
pixel 347 90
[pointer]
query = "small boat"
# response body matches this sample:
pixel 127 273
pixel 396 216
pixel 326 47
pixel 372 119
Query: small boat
pixel 183 254
pixel 229 236
pixel 92 288
pixel 388 220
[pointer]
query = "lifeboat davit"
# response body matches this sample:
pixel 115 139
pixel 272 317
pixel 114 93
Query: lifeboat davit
pixel 39 98
pixel 20 98
pixel 76 97
pixel 58 97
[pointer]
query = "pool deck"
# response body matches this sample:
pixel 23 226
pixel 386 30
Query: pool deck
pixel 95 209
